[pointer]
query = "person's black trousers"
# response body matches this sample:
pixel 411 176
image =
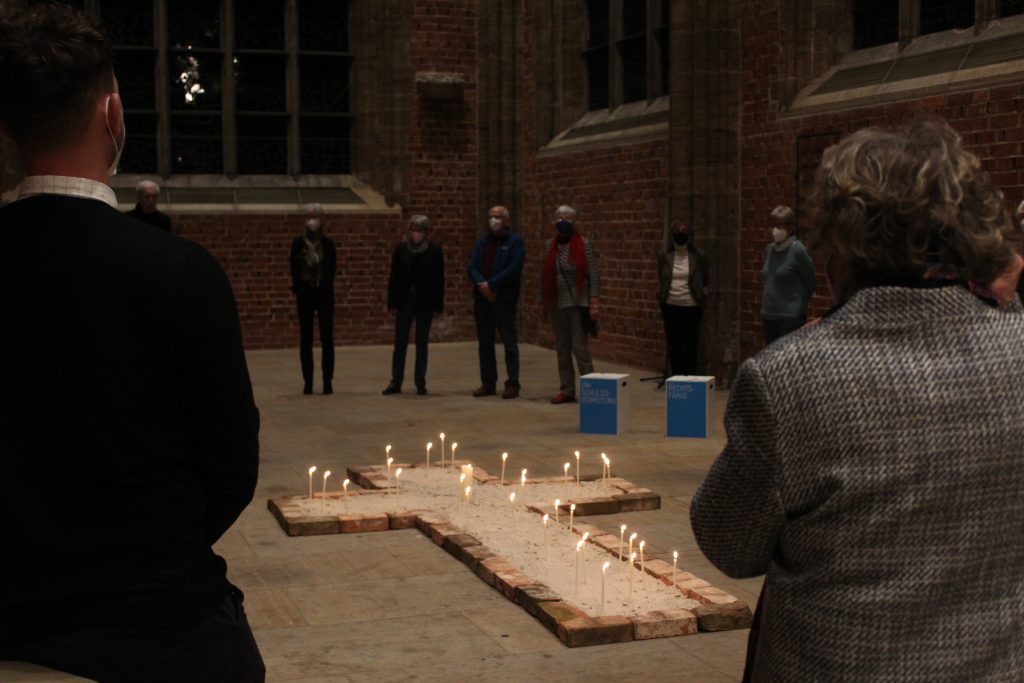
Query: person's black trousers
pixel 319 301
pixel 220 649
pixel 682 328
pixel 403 324
pixel 501 315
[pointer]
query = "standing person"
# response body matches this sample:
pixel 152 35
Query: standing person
pixel 147 194
pixel 415 294
pixel 570 289
pixel 129 432
pixel 495 269
pixel 873 462
pixel 682 291
pixel 314 261
pixel 788 277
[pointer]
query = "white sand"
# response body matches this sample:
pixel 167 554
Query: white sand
pixel 489 517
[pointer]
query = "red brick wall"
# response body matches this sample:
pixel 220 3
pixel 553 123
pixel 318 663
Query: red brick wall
pixel 991 121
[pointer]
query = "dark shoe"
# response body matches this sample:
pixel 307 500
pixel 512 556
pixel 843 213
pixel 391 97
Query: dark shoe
pixel 421 390
pixel 484 390
pixel 510 392
pixel 391 389
pixel 563 397
pixel 307 388
pixel 328 388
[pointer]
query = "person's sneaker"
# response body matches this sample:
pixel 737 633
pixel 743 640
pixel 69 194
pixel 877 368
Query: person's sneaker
pixel 391 389
pixel 421 390
pixel 328 387
pixel 484 390
pixel 510 392
pixel 307 388
pixel 562 397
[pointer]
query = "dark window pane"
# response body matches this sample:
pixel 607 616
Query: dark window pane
pixel 665 50
pixel 1010 7
pixel 942 15
pixel 260 83
pixel 262 144
pixel 135 71
pixel 634 17
pixel 259 25
pixel 196 143
pixel 139 155
pixel 875 22
pixel 634 69
pixel 323 25
pixel 597 22
pixel 77 4
pixel 323 83
pixel 195 81
pixel 193 23
pixel 597 77
pixel 128 22
pixel 325 144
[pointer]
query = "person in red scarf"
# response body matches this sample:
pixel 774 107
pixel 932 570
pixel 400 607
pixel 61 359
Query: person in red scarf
pixel 570 288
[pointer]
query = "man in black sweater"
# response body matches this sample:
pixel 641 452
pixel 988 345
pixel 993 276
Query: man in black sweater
pixel 128 429
pixel 147 194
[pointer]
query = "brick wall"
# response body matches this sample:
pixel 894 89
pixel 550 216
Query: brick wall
pixel 778 152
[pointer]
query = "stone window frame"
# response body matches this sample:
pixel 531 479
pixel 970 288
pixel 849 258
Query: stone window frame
pixel 229 128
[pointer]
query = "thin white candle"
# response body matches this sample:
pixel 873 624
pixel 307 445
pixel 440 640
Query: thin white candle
pixel 398 485
pixel 455 444
pixel 579 550
pixel 604 468
pixel 572 511
pixel 465 506
pixel 642 544
pixel 522 480
pixel 311 471
pixel 545 520
pixel 608 466
pixel 622 531
pixel 557 503
pixel 565 473
pixel 323 492
pixel 675 558
pixel 604 572
pixel 441 436
pixel 390 460
pixel 577 467
pixel 632 537
pixel 632 558
pixel 430 444
pixel 462 482
pixel 512 502
pixel 586 535
pixel 504 457
pixel 344 485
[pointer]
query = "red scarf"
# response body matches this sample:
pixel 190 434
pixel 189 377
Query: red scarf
pixel 577 257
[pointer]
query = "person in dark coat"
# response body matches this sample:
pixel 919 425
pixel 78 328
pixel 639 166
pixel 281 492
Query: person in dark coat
pixel 415 294
pixel 130 439
pixel 682 292
pixel 314 262
pixel 147 194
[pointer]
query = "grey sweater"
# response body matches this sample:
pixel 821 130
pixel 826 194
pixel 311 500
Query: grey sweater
pixel 788 277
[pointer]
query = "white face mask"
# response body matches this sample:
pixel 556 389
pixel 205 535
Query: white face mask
pixel 779 235
pixel 117 148
pixel 313 224
pixel 494 223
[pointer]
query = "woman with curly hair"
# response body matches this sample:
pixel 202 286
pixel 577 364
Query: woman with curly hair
pixel 872 469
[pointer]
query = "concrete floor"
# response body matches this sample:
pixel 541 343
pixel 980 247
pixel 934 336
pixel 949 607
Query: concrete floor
pixel 394 607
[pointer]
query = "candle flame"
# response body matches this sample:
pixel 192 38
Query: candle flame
pixel 632 536
pixel 579 546
pixel 622 528
pixel 573 507
pixel 586 535
pixel 566 467
pixel 398 472
pixel 504 457
pixel 675 554
pixel 604 567
pixel 632 557
pixel 390 460
pixel 468 489
pixel 642 544
pixel 546 518
pixel 345 483
pixel 312 470
pixel 462 478
pixel 327 473
pixel 455 444
pixel 577 455
pixel 512 497
pixel 558 501
pixel 441 435
pixel 430 444
pixel 387 449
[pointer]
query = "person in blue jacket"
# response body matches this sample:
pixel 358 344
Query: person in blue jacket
pixel 495 270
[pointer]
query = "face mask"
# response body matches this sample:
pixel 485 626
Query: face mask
pixel 416 236
pixel 117 148
pixel 779 235
pixel 494 224
pixel 564 227
pixel 313 224
pixel 680 238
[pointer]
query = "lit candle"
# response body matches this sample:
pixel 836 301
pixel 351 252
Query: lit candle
pixel 430 444
pixel 390 460
pixel 441 436
pixel 586 535
pixel 579 550
pixel 311 471
pixel 577 467
pixel 642 544
pixel 462 482
pixel 604 572
pixel 398 485
pixel 512 503
pixel 455 444
pixel 504 457
pixel 565 473
pixel 522 480
pixel 545 521
pixel 557 503
pixel 675 558
pixel 344 485
pixel 608 466
pixel 622 531
pixel 466 507
pixel 323 493
pixel 632 537
pixel 632 558
pixel 572 511
pixel 604 468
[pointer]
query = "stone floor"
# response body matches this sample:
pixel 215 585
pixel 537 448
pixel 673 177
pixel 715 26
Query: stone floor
pixel 392 606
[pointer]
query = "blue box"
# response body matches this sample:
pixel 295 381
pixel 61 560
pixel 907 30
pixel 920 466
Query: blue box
pixel 688 405
pixel 604 403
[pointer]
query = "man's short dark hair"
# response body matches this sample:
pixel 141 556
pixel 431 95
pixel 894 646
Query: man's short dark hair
pixel 54 61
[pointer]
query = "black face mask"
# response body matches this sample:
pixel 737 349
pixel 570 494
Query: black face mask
pixel 680 238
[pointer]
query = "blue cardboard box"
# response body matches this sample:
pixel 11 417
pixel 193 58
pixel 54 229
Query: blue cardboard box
pixel 689 401
pixel 604 403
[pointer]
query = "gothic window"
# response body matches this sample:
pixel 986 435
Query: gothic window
pixel 627 51
pixel 1010 7
pixel 875 22
pixel 942 15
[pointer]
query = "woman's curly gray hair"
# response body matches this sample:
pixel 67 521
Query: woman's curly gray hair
pixel 902 205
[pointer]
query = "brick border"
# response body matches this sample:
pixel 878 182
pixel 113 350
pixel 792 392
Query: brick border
pixel 718 610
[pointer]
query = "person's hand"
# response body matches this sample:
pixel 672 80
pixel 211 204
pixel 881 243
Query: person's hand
pixel 1004 287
